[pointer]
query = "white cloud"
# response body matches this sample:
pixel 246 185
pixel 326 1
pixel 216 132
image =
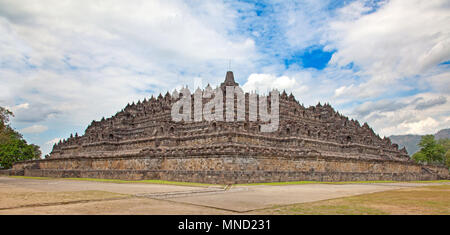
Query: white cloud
pixel 15 108
pixel 422 105
pixel 34 129
pixel 304 22
pixel 53 141
pixel 71 62
pixel 65 63
pixel 67 54
pixel 439 82
pixel 83 32
pixel 342 90
pixel 420 127
pixel 266 82
pixel 423 113
pixel 401 39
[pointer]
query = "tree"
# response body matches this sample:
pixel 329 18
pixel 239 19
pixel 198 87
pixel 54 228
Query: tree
pixel 13 147
pixel 446 144
pixel 4 117
pixel 431 151
pixel 447 158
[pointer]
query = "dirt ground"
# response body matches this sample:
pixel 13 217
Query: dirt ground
pixel 63 196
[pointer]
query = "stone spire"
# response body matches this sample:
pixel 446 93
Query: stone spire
pixel 229 80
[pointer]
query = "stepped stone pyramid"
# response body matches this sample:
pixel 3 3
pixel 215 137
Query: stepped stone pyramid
pixel 311 143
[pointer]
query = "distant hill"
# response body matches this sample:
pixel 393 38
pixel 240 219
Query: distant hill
pixel 442 134
pixel 408 141
pixel 411 141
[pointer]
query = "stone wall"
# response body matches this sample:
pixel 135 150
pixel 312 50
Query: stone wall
pixel 230 168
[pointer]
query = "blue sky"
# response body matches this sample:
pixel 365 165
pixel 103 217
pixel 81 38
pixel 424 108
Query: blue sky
pixel 66 63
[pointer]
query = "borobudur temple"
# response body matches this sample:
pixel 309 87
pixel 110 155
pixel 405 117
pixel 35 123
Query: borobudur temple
pixel 315 144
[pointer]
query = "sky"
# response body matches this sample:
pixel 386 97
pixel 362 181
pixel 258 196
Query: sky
pixel 66 63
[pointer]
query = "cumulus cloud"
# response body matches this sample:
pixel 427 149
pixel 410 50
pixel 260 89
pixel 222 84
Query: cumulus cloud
pixel 36 112
pixel 402 115
pixel 74 57
pixel 90 34
pixel 307 18
pixel 378 107
pixel 439 82
pixel 70 62
pixel 420 127
pixel 267 82
pixel 53 141
pixel 401 39
pixel 34 129
pixel 430 103
pixel 65 63
pixel 389 105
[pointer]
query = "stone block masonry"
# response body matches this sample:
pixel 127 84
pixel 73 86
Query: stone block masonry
pixel 226 168
pixel 143 142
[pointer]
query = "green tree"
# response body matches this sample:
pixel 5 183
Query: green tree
pixel 4 116
pixel 431 151
pixel 13 147
pixel 446 144
pixel 447 158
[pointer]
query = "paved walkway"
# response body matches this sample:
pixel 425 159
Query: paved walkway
pixel 62 196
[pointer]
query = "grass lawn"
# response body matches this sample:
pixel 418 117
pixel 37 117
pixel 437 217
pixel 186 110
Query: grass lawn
pixel 123 181
pixel 206 185
pixel 342 182
pixel 417 200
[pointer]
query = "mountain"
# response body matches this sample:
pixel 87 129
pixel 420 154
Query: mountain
pixel 408 141
pixel 411 141
pixel 442 134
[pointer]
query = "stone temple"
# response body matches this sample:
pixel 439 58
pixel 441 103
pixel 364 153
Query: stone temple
pixel 315 143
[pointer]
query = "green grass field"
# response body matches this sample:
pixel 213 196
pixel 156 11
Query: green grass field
pixel 124 181
pixel 342 182
pixel 206 185
pixel 416 201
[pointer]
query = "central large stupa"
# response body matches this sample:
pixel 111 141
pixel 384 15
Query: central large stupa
pixel 143 142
